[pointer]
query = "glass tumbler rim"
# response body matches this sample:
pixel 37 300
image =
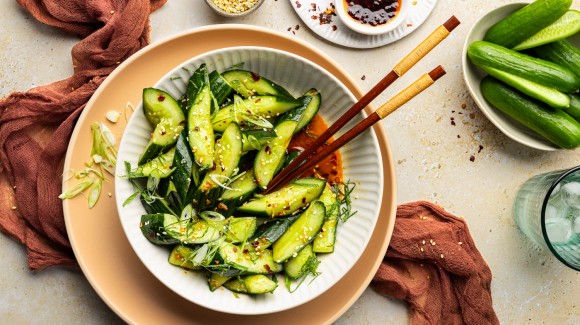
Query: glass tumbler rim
pixel 543 216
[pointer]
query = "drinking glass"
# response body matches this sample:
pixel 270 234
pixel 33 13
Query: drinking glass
pixel 547 211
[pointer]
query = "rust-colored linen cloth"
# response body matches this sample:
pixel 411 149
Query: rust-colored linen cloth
pixel 35 126
pixel 433 264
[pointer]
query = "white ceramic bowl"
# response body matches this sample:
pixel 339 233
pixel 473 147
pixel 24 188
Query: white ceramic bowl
pixel 473 76
pixel 361 160
pixel 341 11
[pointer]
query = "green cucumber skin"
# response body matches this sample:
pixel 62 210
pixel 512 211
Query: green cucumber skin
pixel 159 205
pixel 219 87
pixel 254 84
pixel 312 99
pixel 574 108
pixel 157 167
pixel 554 125
pixel 216 280
pixel 301 233
pixel 295 267
pixel 270 231
pixel 153 228
pixel 179 257
pixel 228 151
pixel 241 190
pixel 164 113
pixel 241 229
pixel 273 152
pixel 182 163
pixel 550 96
pixel 562 53
pixel 262 106
pixel 285 201
pixel 543 72
pixel 526 22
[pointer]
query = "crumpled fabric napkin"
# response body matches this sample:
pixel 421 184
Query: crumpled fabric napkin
pixel 35 126
pixel 433 264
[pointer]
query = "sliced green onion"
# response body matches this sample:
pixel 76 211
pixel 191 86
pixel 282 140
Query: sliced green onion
pixel 76 189
pixel 95 192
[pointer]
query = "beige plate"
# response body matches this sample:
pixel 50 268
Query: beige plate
pixel 96 235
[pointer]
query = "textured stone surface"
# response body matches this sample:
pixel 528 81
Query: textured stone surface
pixel 432 159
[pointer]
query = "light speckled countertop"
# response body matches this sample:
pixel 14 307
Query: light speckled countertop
pixel 431 157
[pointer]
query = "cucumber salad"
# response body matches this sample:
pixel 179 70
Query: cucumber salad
pixel 211 154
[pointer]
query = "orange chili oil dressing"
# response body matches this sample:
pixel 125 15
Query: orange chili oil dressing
pixel 331 167
pixel 372 12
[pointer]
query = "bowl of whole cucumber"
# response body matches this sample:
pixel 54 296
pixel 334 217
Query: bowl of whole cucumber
pixel 521 64
pixel 195 162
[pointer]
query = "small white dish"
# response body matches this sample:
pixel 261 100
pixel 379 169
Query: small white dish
pixel 367 29
pixel 320 17
pixel 473 76
pixel 362 163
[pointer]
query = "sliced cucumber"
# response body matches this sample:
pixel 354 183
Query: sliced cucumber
pixel 550 96
pixel 194 84
pixel 216 280
pixel 228 151
pixel 259 106
pixel 300 264
pixel 286 200
pixel 240 229
pixel 312 101
pixel 259 284
pixel 199 129
pixel 199 232
pixel 255 139
pixel 249 84
pixel 181 256
pixel 220 87
pixel 301 233
pixel 270 231
pixel 164 113
pixel 158 205
pixel 240 190
pixel 567 25
pixel 325 239
pixel 159 167
pixel 161 228
pixel 236 285
pixel 183 164
pixel 272 154
pixel 246 260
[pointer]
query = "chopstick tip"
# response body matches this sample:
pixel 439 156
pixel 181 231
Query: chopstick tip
pixel 451 23
pixel 437 73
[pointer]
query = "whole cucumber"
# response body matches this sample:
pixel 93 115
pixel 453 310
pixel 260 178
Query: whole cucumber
pixel 526 22
pixel 560 52
pixel 553 124
pixel 540 71
pixel 574 108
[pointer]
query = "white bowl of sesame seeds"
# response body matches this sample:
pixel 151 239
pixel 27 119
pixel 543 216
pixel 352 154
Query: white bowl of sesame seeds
pixel 362 165
pixel 234 8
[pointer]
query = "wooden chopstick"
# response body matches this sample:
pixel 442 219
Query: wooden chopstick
pixel 438 35
pixel 383 111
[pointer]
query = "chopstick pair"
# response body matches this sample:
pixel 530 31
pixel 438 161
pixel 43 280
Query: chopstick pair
pixel 306 160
